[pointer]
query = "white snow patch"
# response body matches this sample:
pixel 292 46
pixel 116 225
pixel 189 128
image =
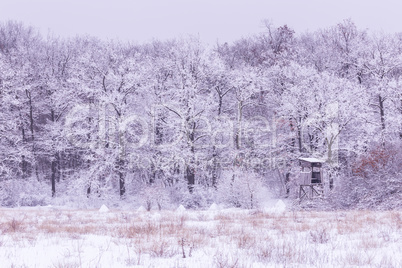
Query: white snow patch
pixel 104 208
pixel 278 208
pixel 141 209
pixel 181 208
pixel 214 207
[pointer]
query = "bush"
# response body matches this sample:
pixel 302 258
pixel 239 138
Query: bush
pixel 376 181
pixel 27 192
pixel 154 195
pixel 240 189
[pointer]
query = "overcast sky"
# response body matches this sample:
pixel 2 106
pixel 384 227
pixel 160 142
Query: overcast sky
pixel 211 20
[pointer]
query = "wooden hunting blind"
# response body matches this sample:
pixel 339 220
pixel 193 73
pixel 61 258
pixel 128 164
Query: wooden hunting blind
pixel 311 179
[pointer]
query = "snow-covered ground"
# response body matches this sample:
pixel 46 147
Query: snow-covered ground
pixel 273 237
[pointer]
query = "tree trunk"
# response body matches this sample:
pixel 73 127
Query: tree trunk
pixel 214 169
pixel 23 134
pixel 400 109
pixel 287 182
pixel 31 121
pixel 299 139
pixel 190 171
pixel 190 175
pixel 53 178
pixel 31 127
pixel 382 115
pixel 293 140
pixel 239 124
pixel 220 105
pixel 24 167
pixel 122 182
pixel 55 164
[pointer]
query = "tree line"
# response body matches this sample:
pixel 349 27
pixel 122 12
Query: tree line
pixel 194 123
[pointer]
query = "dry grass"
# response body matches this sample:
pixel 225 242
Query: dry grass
pixel 223 239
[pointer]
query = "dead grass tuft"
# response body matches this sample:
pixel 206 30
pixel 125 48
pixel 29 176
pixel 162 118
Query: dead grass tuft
pixel 224 260
pixel 163 249
pixel 12 226
pixel 305 238
pixel 320 235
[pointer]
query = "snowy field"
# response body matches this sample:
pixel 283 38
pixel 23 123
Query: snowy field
pixel 58 237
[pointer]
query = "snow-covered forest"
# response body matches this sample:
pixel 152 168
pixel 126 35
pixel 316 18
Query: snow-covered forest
pixel 181 122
